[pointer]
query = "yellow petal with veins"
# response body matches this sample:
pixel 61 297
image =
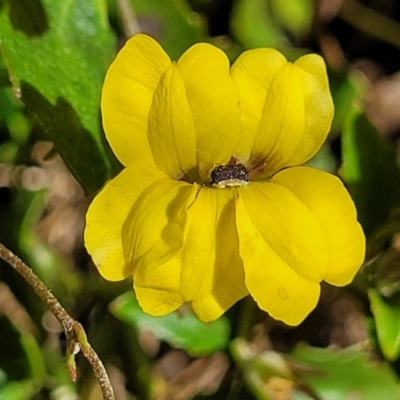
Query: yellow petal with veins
pixel 127 95
pixel 214 102
pixel 172 134
pixel 328 200
pixel 272 282
pixel 286 227
pixel 207 271
pixel 287 109
pixel 107 214
pixel 253 72
pixel 153 230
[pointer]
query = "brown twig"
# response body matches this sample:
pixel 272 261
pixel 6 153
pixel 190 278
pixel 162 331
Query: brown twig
pixel 74 331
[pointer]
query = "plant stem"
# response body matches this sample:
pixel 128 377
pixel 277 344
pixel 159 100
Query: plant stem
pixel 371 22
pixel 127 15
pixel 74 331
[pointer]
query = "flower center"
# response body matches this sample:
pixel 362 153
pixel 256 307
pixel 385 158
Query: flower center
pixel 231 174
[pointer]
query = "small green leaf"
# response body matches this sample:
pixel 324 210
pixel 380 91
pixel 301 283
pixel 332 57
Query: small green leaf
pixel 370 170
pixel 21 390
pixel 57 53
pixel 346 373
pixel 253 26
pixel 35 357
pixel 175 23
pixel 180 330
pixel 296 15
pixel 387 320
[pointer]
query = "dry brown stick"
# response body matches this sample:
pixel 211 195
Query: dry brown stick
pixel 74 331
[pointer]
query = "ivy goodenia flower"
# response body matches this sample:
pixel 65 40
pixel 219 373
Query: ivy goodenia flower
pixel 207 210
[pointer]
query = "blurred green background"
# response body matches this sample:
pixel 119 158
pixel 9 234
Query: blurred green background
pixel 53 158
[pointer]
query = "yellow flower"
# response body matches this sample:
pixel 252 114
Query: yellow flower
pixel 206 210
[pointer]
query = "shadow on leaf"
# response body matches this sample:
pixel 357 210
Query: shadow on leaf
pixel 27 16
pixel 76 145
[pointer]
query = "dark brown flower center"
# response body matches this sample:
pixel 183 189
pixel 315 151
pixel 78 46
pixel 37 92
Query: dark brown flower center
pixel 231 174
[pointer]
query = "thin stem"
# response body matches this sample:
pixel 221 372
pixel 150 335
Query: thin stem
pixel 130 24
pixel 246 318
pixel 74 331
pixel 371 22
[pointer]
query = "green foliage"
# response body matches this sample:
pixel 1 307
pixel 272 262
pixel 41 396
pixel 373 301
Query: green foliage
pixel 57 55
pixel 324 160
pixel 369 170
pixel 341 374
pixel 295 15
pixel 177 26
pixel 53 59
pixel 386 312
pixel 311 373
pixel 253 26
pixel 181 330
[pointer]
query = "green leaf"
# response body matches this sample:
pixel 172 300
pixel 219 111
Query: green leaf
pixel 345 90
pixel 346 373
pixel 180 330
pixel 57 53
pixel 4 81
pixel 175 23
pixel 253 26
pixel 35 357
pixel 370 170
pixel 387 320
pixel 296 15
pixel 21 390
pixel 324 159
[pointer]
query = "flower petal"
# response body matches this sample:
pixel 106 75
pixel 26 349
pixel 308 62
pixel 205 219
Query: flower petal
pixel 158 290
pixel 228 275
pixel 286 227
pixel 274 285
pixel 282 123
pixel 171 134
pixel 253 72
pixel 318 108
pixel 289 117
pixel 153 230
pixel 107 214
pixel 207 271
pixel 214 101
pixel 325 196
pixel 127 95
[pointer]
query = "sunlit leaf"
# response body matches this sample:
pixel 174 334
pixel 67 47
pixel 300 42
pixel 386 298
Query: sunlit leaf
pixel 57 53
pixel 180 330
